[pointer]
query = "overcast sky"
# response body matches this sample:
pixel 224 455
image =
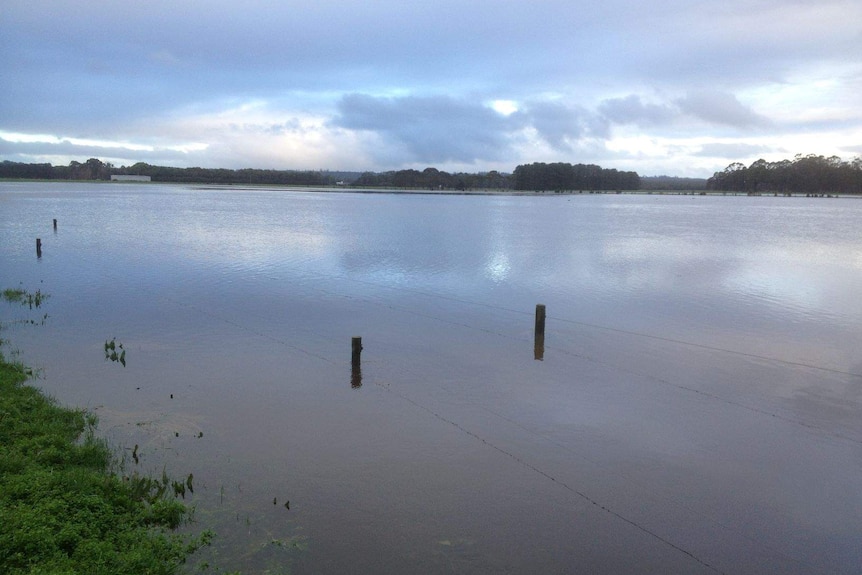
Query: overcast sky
pixel 677 87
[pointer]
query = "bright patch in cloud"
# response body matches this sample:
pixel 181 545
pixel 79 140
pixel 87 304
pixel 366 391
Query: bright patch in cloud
pixel 89 143
pixel 505 107
pixel 29 138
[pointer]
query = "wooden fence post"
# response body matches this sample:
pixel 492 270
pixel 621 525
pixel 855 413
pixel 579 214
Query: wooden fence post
pixel 356 348
pixel 355 363
pixel 539 340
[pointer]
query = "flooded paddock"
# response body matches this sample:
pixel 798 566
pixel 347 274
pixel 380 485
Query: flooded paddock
pixel 693 405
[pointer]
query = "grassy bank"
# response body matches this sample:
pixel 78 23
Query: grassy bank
pixel 65 506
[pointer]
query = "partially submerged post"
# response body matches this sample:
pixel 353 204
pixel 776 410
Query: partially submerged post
pixel 355 363
pixel 539 340
pixel 356 348
pixel 38 247
pixel 55 224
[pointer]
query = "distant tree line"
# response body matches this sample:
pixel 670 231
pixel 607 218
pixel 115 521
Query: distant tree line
pixel 537 176
pixel 804 175
pixel 673 183
pixel 434 179
pixel 94 169
pixel 225 176
pixel 563 176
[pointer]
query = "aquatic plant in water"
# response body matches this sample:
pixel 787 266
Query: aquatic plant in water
pixel 111 348
pixel 24 297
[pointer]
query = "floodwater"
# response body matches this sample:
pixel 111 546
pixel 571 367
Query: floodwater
pixel 697 407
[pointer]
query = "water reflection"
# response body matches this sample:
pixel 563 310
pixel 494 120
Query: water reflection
pixel 355 376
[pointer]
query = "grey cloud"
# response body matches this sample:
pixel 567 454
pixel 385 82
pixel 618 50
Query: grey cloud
pixel 562 126
pixel 716 107
pixel 439 129
pixel 26 151
pixel 429 129
pixel 631 110
pixel 721 108
pixel 290 126
pixel 64 148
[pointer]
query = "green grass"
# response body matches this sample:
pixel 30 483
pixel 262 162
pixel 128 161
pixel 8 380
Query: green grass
pixel 64 509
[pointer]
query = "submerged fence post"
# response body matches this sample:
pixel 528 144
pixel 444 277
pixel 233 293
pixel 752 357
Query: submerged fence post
pixel 55 224
pixel 539 340
pixel 38 247
pixel 355 363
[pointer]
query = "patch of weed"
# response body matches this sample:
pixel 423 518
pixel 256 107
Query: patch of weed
pixel 62 509
pixel 24 297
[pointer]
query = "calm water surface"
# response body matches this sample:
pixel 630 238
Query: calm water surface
pixel 697 408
